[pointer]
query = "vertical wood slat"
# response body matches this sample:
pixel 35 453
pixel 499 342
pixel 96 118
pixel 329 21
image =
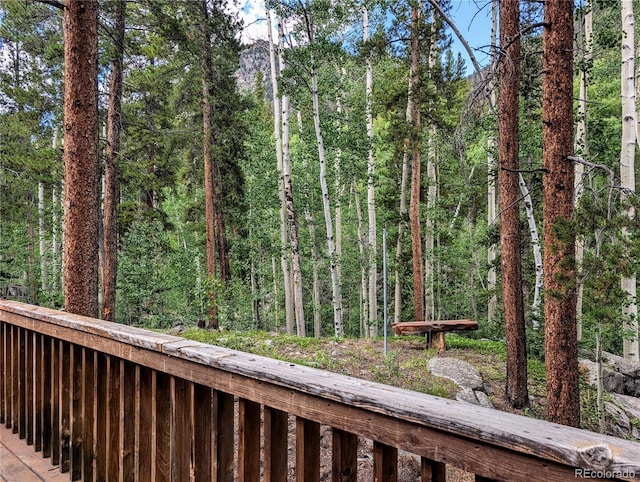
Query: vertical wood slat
pixel 145 428
pixel 89 394
pixel 432 471
pixel 64 441
pixel 162 415
pixel 101 414
pixel 127 420
pixel 3 374
pixel 9 360
pixel 55 401
pixel 20 388
pixel 248 440
pixel 385 462
pixel 29 385
pixel 202 415
pixel 345 456
pixel 76 373
pixel 114 367
pixel 307 450
pixel 275 444
pixel 38 390
pixel 181 430
pixel 47 396
pixel 16 370
pixel 223 430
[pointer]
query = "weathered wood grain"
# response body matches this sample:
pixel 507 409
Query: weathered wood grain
pixel 344 447
pixel 307 450
pixel 28 386
pixel 422 327
pixel 432 471
pixel 248 440
pixel 38 390
pixel 180 435
pixel 385 462
pixel 202 409
pixel 76 371
pixel 223 430
pixel 275 444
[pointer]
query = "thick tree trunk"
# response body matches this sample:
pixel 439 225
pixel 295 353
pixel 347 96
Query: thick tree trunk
pixel 111 189
pixel 508 153
pixel 415 147
pixel 627 168
pixel 561 351
pixel 216 244
pixel 81 165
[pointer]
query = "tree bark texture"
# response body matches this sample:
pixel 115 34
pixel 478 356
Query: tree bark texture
pixel 111 189
pixel 509 196
pixel 415 146
pixel 81 165
pixel 561 353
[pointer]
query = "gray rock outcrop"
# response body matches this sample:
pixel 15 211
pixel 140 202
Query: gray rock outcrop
pixel 463 374
pixel 621 378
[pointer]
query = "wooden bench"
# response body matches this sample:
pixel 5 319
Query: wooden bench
pixel 429 328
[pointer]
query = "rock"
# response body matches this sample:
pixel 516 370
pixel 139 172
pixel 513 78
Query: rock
pixel 483 399
pixel 474 396
pixel 460 372
pixel 618 375
pixel 626 367
pixel 178 330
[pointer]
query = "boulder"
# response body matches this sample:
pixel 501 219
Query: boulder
pixel 463 374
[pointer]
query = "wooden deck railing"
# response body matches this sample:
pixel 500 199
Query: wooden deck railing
pixel 111 402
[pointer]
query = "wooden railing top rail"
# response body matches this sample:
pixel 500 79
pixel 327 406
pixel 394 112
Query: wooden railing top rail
pixel 485 441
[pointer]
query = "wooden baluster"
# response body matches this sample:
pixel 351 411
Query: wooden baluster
pixel 76 416
pixel 248 440
pixel 307 450
pixel 345 456
pixel 64 440
pixel 47 396
pixel 114 419
pixel 9 334
pixel 433 471
pixel 275 444
pixel 38 390
pixel 16 371
pixel 3 373
pixel 145 429
pixel 55 401
pixel 101 411
pixel 126 443
pixel 180 429
pixel 223 430
pixel 385 462
pixel 28 385
pixel 162 469
pixel 89 413
pixel 202 416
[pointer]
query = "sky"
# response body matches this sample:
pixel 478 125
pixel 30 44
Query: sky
pixel 472 17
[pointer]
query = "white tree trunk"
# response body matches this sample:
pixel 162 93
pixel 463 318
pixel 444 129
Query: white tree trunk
pixel 432 194
pixel 627 176
pixel 537 252
pixel 311 224
pixel 582 149
pixel 371 202
pixel 362 248
pixel 44 278
pixel 277 126
pixel 492 307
